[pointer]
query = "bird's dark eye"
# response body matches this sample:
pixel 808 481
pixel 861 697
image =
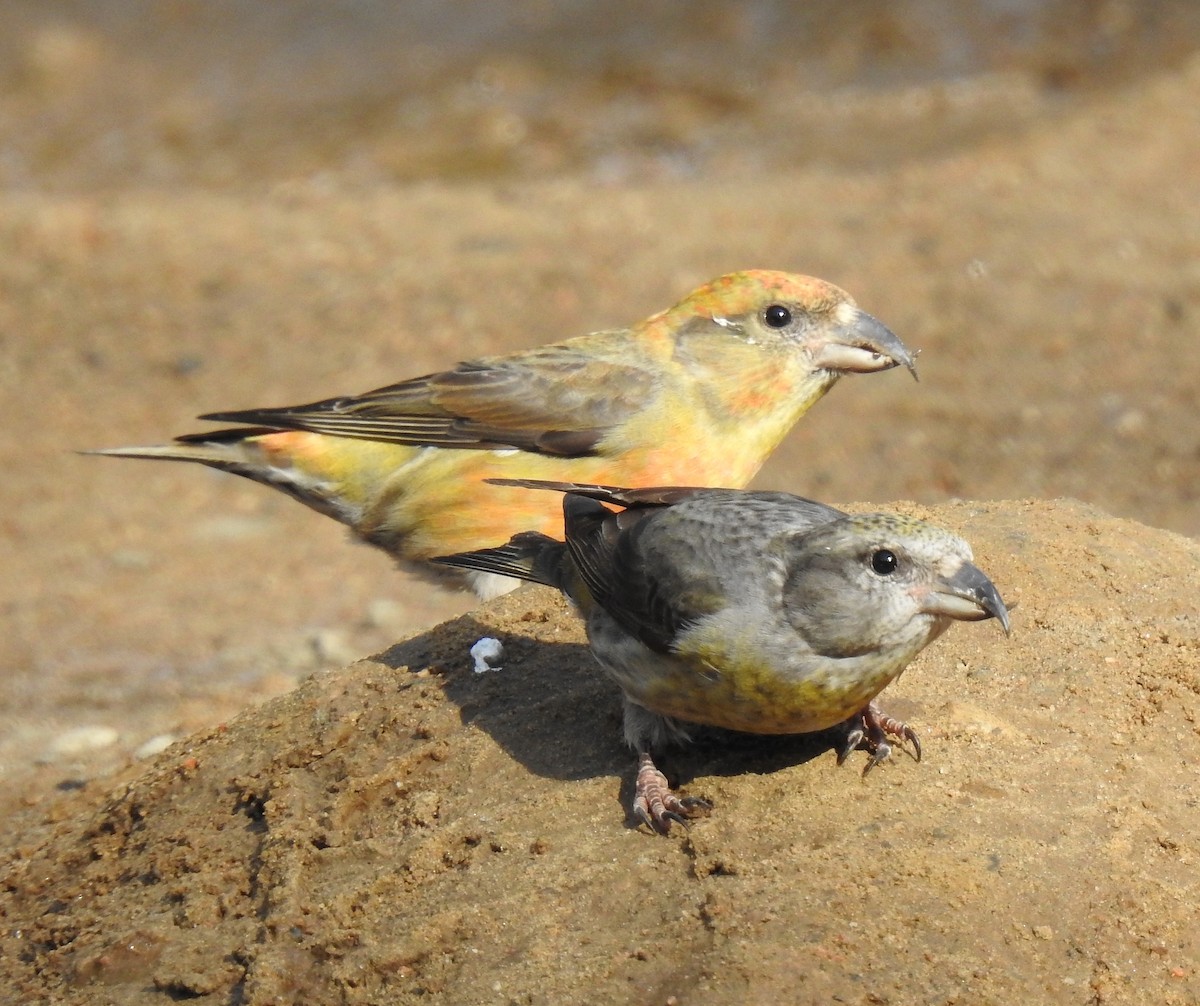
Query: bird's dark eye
pixel 884 561
pixel 777 316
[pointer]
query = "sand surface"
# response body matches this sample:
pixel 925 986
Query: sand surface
pixel 205 208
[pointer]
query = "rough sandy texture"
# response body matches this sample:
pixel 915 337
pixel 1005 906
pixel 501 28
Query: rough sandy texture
pixel 406 827
pixel 213 206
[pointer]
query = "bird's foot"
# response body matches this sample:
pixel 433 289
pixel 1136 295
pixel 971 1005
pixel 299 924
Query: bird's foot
pixel 654 803
pixel 871 729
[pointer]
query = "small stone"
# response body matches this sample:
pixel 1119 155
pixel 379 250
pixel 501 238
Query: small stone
pixel 383 613
pixel 155 745
pixel 1130 423
pixel 131 558
pixel 331 646
pixel 230 527
pixel 79 740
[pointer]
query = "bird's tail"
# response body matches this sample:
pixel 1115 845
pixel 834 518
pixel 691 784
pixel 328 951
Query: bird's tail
pixel 333 476
pixel 529 555
pixel 220 449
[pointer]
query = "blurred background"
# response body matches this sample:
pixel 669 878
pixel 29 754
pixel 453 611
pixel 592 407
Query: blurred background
pixel 211 204
pixel 101 96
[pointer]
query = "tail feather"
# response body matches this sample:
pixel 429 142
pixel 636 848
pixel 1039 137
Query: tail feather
pixel 529 555
pixel 237 452
pixel 229 435
pixel 215 453
pixel 211 448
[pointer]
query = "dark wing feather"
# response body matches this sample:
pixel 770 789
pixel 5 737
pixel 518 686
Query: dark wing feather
pixel 561 399
pixel 604 548
pixel 646 497
pixel 529 555
pixel 657 568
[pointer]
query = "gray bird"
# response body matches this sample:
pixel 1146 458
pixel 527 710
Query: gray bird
pixel 755 611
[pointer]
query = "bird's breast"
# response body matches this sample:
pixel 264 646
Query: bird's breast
pixel 750 683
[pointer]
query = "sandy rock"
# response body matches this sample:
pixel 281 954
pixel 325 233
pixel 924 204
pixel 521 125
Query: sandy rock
pixel 406 829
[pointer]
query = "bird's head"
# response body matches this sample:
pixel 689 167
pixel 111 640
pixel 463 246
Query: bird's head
pixel 786 310
pixel 870 582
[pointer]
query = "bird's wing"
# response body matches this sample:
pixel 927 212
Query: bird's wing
pixel 597 539
pixel 560 399
pixel 658 567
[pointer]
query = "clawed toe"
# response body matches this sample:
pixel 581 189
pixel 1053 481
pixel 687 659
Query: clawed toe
pixel 655 804
pixel 852 738
pixel 871 729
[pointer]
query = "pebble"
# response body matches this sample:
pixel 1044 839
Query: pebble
pixel 79 740
pixel 155 745
pixel 332 646
pixel 230 527
pixel 384 613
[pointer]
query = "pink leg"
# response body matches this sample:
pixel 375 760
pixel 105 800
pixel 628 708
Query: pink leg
pixel 871 729
pixel 655 804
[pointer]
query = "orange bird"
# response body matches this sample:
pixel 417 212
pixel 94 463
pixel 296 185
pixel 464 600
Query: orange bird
pixel 699 394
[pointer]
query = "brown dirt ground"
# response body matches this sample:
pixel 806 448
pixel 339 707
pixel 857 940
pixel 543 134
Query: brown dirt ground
pixel 404 828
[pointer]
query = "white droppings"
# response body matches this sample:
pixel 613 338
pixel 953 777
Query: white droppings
pixel 487 653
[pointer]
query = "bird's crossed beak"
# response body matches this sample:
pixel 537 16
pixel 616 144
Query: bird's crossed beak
pixel 858 343
pixel 969 596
